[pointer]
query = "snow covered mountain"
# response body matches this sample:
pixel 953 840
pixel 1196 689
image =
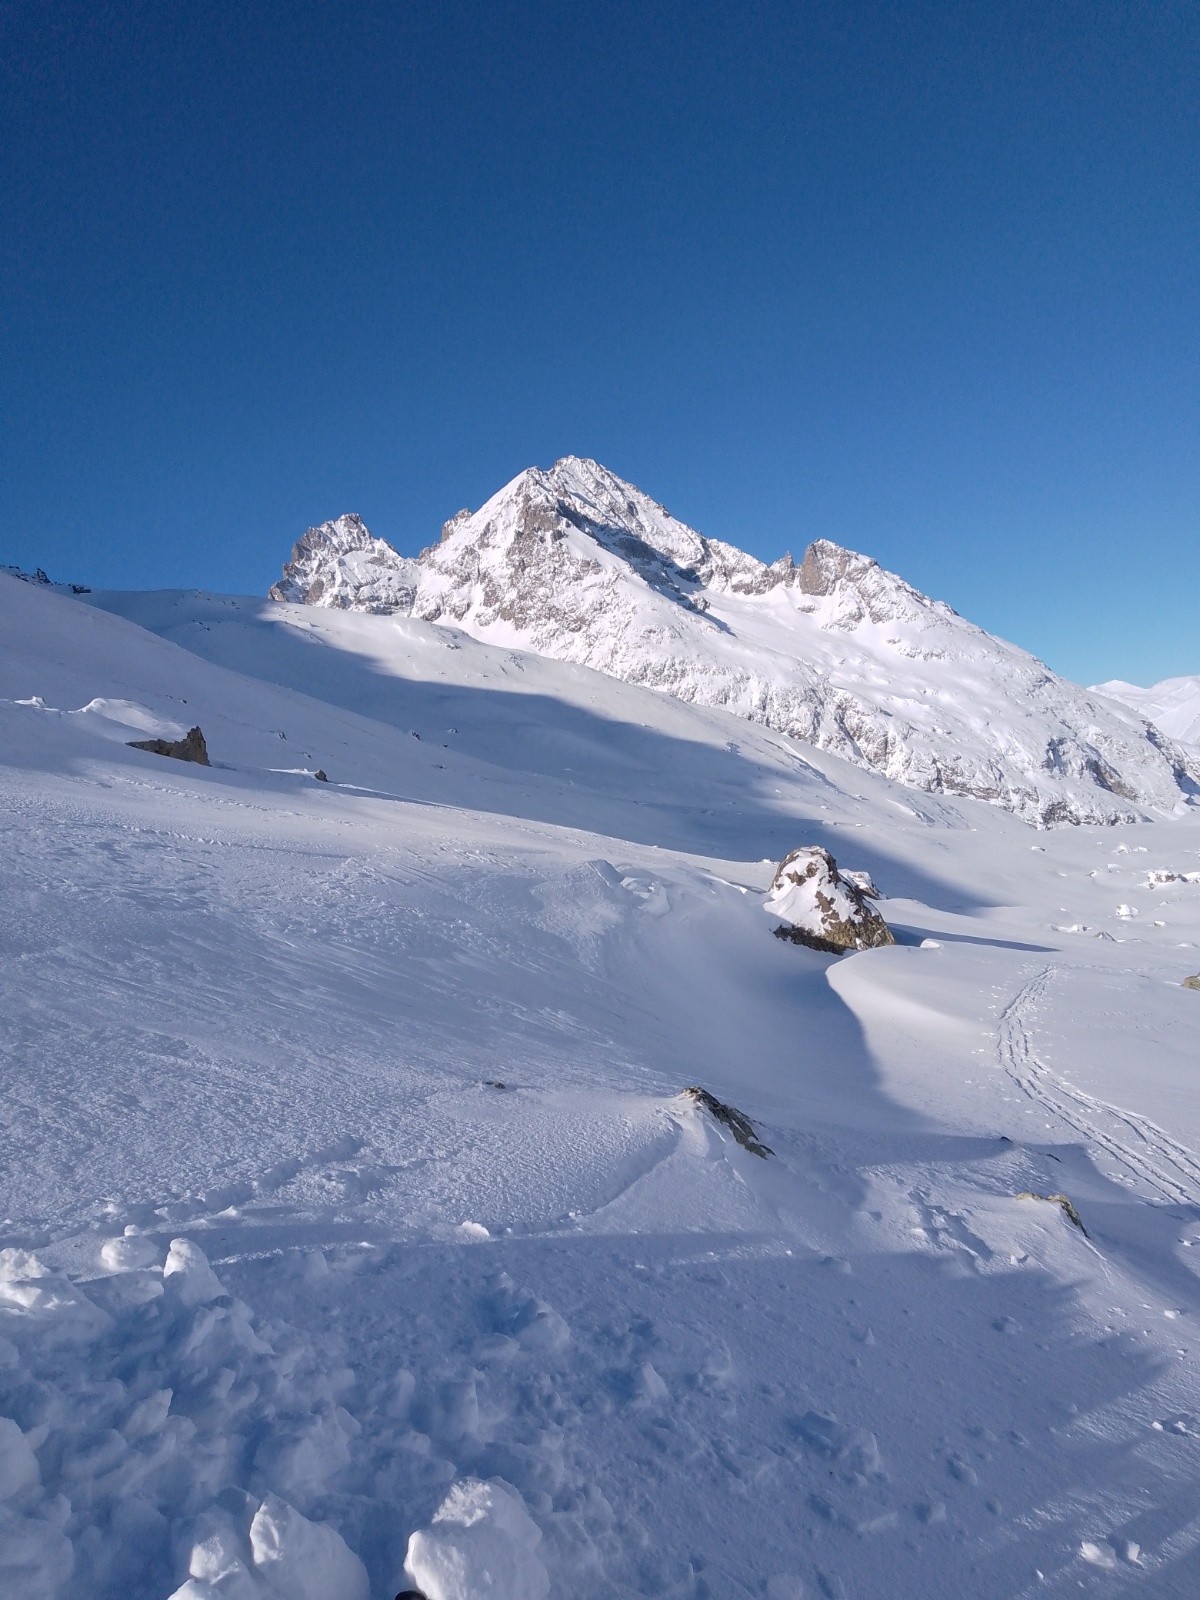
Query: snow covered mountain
pixel 1172 705
pixel 575 564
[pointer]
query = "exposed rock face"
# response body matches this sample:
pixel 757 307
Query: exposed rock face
pixel 820 907
pixel 578 565
pixel 190 748
pixel 1192 982
pixel 341 564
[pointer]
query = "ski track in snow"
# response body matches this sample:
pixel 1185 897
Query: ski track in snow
pixel 1146 1154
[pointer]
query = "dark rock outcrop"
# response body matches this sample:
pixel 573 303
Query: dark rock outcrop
pixel 729 1117
pixel 190 748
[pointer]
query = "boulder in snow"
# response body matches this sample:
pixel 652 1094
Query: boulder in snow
pixel 1193 982
pixel 821 907
pixel 190 748
pixel 863 881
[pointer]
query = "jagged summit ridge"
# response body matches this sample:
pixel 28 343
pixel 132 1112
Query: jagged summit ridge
pixel 574 563
pixel 341 563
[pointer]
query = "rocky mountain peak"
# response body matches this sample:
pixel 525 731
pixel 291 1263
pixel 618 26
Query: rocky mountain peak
pixel 574 563
pixel 827 566
pixel 341 563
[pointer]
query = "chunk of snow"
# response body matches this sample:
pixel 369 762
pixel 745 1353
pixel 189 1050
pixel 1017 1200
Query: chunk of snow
pixel 130 1253
pixel 18 1464
pixel 482 1546
pixel 304 1560
pixel 193 1279
pixel 284 1557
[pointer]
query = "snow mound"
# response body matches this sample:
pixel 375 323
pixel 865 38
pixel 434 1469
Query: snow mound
pixel 283 1557
pixel 575 564
pixel 482 1545
pixel 822 907
pixel 127 714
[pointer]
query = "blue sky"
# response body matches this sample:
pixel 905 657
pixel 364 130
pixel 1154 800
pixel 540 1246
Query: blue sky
pixel 921 278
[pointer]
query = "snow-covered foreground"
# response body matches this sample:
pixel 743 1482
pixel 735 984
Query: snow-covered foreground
pixel 350 1195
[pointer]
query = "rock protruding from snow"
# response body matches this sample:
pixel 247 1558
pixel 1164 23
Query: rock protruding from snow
pixel 1193 982
pixel 482 1542
pixel 820 907
pixel 190 748
pixel 341 564
pixel 729 1117
pixel 575 564
pixel 43 581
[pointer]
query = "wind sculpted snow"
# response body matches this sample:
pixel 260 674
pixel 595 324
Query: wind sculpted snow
pixel 357 1231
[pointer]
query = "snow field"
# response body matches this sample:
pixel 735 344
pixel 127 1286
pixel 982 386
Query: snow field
pixel 353 1230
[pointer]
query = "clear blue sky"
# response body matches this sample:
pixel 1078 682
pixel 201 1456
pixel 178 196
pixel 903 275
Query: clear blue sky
pixel 921 278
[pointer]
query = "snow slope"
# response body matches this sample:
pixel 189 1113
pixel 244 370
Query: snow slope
pixel 576 564
pixel 352 1213
pixel 1172 705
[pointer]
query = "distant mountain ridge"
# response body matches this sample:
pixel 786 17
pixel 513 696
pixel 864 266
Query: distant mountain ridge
pixel 1172 705
pixel 578 565
pixel 38 577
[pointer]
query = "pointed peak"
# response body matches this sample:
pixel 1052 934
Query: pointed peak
pixel 826 566
pixel 341 563
pixel 347 532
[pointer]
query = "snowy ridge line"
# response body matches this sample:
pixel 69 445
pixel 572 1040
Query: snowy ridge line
pixel 1172 705
pixel 579 566
pixel 1155 1159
